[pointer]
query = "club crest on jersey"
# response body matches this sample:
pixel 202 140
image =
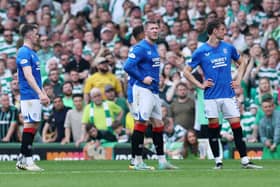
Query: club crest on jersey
pixel 23 61
pixel 225 50
pixel 131 55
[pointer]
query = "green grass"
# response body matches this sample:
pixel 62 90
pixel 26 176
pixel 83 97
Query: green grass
pixel 192 173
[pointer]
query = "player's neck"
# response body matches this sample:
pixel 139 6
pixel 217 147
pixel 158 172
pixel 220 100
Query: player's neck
pixel 213 41
pixel 149 41
pixel 28 43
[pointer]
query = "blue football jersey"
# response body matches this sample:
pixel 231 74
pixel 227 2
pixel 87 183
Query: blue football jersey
pixel 129 93
pixel 28 57
pixel 143 60
pixel 216 65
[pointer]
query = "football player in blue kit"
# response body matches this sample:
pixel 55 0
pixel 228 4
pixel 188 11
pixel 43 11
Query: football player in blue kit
pixel 215 57
pixel 32 94
pixel 143 65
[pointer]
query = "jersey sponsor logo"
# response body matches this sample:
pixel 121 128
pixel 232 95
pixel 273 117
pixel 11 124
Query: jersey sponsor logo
pixel 131 55
pixel 38 65
pixel 149 52
pixel 219 62
pixel 207 54
pixel 156 62
pixel 23 61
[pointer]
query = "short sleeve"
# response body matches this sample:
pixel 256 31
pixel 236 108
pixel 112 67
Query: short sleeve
pixel 234 55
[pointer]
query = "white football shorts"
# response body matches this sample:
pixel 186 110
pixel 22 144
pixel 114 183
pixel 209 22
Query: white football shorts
pixel 145 104
pixel 227 106
pixel 31 110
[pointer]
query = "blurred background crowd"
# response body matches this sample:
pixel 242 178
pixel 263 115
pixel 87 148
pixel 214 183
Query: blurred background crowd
pixel 84 44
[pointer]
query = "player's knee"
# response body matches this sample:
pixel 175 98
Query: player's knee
pixel 158 129
pixel 213 130
pixel 213 125
pixel 235 125
pixel 140 126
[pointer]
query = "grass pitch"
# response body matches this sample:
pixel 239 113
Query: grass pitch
pixel 192 173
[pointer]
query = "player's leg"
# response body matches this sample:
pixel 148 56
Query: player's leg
pixel 157 134
pixel 231 113
pixel 141 114
pixel 131 163
pixel 31 111
pixel 212 113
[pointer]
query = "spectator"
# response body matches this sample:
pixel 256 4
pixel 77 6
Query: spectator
pixel 182 107
pixel 101 78
pixel 100 113
pixel 8 120
pixel 73 121
pixel 191 147
pixel 15 93
pixel 237 38
pixel 44 54
pixel 177 34
pixel 94 134
pixel 53 130
pixel 172 132
pixel 110 94
pixel 11 64
pixel 269 129
pixel 67 94
pixel 119 71
pixel 53 79
pixel 74 79
pixel 78 62
pixel 120 132
pixel 8 44
pixel 5 77
pixel 170 14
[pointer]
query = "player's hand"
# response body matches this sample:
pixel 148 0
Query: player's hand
pixel 148 80
pixel 207 84
pixel 44 98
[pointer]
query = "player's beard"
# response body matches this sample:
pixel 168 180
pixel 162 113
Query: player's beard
pixel 152 39
pixel 219 38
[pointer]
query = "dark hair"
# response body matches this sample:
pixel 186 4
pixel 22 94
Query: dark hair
pixel 89 127
pixel 150 22
pixel 214 25
pixel 181 84
pixel 68 82
pixel 58 96
pixel 133 9
pixel 166 120
pixel 190 148
pixel 47 83
pixel 137 31
pixel 267 98
pixel 27 28
pixel 212 12
pixel 77 95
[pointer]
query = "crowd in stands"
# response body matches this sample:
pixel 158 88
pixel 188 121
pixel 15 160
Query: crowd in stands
pixel 84 44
